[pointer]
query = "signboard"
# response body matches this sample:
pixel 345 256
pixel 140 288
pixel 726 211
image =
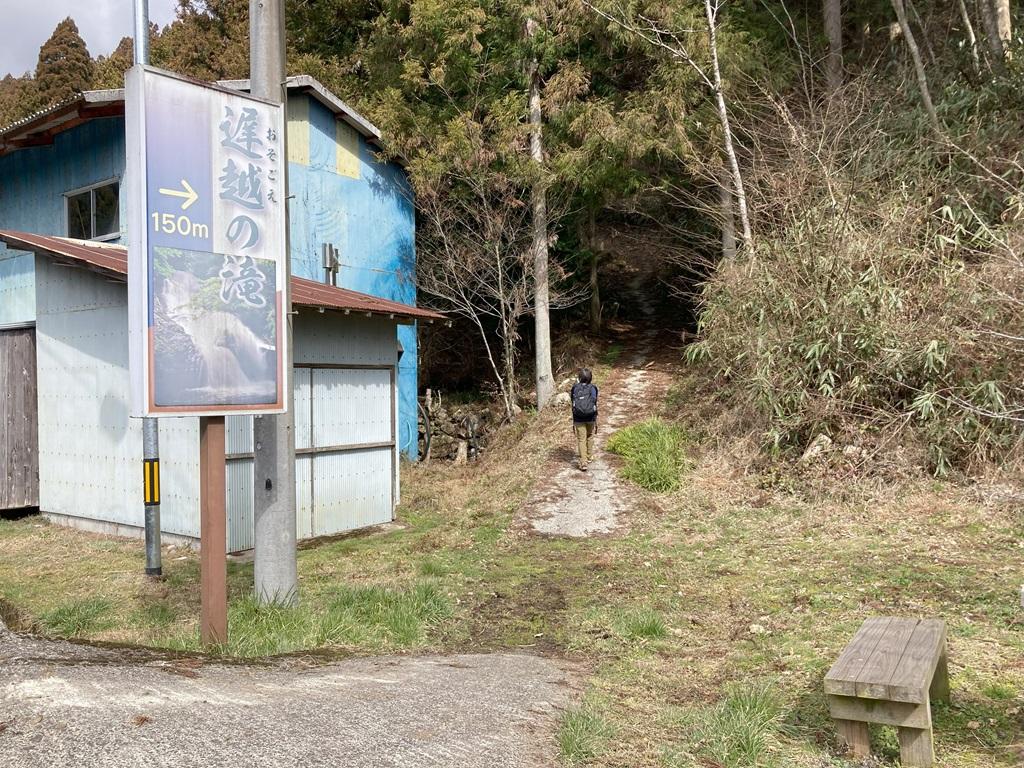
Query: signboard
pixel 206 226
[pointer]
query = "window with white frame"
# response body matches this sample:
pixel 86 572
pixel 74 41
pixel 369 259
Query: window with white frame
pixel 92 212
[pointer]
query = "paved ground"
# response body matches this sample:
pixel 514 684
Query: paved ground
pixel 70 705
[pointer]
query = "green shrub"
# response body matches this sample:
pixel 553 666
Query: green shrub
pixel 882 299
pixel 653 454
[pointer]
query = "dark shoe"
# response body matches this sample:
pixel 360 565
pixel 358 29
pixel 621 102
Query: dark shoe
pixel 583 467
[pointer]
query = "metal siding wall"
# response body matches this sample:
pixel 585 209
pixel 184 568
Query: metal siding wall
pixel 17 287
pixel 353 490
pixel 303 464
pixel 336 339
pixel 241 515
pixel 304 497
pixel 33 183
pixel 303 408
pixel 179 475
pixel 241 471
pixel 238 434
pixel 90 451
pixel 351 407
pixel 239 476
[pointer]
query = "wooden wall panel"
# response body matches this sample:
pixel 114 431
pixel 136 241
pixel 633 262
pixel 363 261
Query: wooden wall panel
pixel 19 444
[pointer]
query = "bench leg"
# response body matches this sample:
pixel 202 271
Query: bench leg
pixel 916 747
pixel 939 690
pixel 854 734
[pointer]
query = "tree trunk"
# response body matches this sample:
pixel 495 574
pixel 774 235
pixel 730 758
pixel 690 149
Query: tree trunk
pixel 595 288
pixel 1004 24
pixel 990 21
pixel 509 354
pixel 915 55
pixel 972 39
pixel 831 10
pixel 723 116
pixel 541 301
pixel 728 214
pixel 924 32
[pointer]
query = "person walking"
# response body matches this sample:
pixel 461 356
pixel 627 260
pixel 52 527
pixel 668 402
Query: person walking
pixel 584 416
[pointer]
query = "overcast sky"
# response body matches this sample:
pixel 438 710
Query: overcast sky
pixel 102 23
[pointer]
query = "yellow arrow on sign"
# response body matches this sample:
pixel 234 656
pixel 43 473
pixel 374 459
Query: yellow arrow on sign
pixel 188 193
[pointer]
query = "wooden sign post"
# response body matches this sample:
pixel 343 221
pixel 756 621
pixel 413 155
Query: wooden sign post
pixel 213 532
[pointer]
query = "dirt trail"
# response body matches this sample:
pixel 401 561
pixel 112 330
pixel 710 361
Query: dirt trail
pixel 568 502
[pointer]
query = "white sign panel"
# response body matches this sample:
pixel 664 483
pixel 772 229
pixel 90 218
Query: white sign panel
pixel 206 225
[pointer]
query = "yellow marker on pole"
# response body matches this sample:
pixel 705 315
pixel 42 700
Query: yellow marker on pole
pixel 151 482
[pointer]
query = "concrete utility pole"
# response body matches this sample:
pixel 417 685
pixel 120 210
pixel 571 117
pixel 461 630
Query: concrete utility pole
pixel 150 426
pixel 275 571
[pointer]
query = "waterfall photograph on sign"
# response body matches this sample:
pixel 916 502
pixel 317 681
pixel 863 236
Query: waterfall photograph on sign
pixel 208 286
pixel 214 328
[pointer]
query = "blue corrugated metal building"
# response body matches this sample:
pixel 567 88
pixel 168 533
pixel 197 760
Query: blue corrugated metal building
pixel 59 179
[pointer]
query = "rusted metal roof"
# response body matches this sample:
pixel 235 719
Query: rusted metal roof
pixel 112 260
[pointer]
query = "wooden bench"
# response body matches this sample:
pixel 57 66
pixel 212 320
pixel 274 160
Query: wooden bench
pixel 888 674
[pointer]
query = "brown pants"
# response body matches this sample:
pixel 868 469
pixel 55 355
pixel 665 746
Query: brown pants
pixel 585 440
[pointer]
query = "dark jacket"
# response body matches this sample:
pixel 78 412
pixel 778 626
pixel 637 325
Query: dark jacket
pixel 581 418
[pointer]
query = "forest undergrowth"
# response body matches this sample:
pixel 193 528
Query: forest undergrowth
pixel 882 303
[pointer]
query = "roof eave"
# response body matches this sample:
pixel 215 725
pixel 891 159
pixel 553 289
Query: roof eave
pixel 118 272
pixel 59 115
pixel 39 128
pixel 318 90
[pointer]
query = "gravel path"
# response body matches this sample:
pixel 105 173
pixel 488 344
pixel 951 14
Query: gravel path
pixel 72 705
pixel 568 502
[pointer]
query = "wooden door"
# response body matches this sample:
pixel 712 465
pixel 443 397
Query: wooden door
pixel 19 437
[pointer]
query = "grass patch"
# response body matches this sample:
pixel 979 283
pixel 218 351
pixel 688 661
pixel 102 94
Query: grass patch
pixel 611 355
pixel 400 616
pixel 642 624
pixel 659 616
pixel 654 454
pixel 78 617
pixel 581 736
pixel 431 567
pixel 157 614
pixel 738 731
pixel 355 617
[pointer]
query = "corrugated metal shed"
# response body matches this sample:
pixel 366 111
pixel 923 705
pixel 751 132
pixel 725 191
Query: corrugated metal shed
pixel 113 261
pixel 89 450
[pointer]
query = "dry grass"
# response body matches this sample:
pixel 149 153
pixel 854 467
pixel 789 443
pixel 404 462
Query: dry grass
pixel 733 594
